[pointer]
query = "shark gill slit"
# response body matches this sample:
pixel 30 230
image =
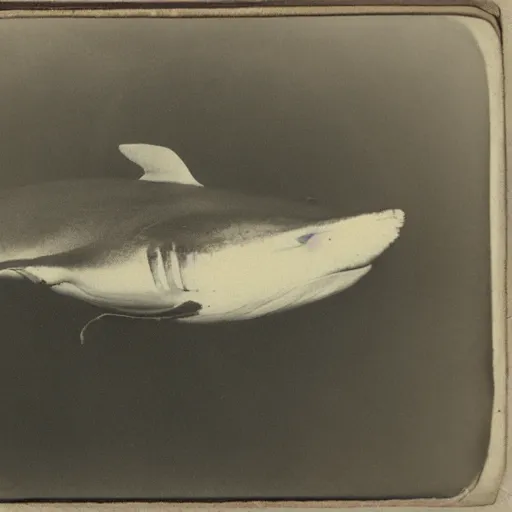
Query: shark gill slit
pixel 157 268
pixel 176 269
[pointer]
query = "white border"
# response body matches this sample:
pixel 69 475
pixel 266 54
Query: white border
pixel 489 43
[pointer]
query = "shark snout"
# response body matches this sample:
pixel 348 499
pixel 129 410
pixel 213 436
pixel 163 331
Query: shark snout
pixel 355 242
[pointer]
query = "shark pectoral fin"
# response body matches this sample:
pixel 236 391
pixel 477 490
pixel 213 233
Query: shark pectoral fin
pixel 184 310
pixel 159 164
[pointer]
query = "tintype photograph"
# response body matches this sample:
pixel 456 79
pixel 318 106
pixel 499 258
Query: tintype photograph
pixel 246 257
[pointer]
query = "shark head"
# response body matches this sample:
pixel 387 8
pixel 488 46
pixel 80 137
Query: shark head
pixel 239 257
pixel 280 270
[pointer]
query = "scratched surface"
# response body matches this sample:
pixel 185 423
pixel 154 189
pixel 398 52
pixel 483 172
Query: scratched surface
pixel 383 391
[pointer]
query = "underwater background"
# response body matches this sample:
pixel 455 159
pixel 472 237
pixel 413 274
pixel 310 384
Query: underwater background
pixel 382 391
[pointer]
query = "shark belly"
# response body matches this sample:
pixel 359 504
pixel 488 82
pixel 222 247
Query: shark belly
pixel 124 284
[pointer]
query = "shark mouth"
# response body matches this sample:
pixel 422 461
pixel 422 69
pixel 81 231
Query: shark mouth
pixel 286 300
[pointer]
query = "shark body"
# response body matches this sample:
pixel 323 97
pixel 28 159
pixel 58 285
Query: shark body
pixel 164 245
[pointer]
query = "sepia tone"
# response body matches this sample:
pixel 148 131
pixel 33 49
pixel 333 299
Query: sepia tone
pixel 325 142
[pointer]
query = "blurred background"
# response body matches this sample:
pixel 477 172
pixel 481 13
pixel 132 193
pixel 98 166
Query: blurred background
pixel 382 391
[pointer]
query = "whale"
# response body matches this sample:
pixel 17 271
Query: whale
pixel 164 245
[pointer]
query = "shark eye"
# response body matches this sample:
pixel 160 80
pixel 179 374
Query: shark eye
pixel 304 239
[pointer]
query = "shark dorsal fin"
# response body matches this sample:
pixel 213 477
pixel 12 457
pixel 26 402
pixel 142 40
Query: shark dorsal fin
pixel 159 163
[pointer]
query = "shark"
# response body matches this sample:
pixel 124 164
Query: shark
pixel 165 246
